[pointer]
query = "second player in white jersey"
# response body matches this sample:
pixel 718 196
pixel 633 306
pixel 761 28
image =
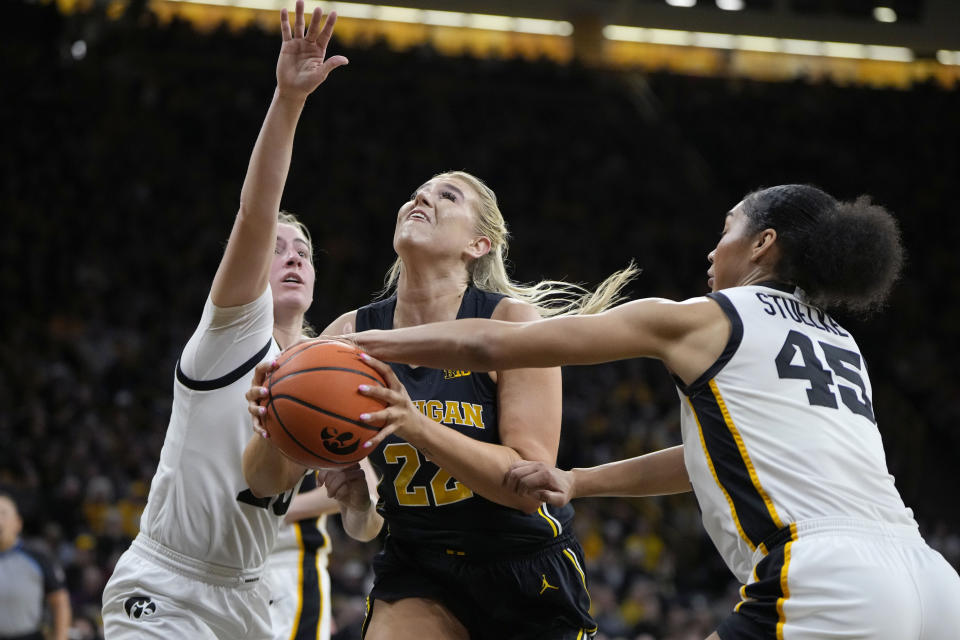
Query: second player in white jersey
pixel 298 584
pixel 781 428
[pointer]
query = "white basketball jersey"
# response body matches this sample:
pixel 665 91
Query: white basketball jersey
pixel 781 428
pixel 199 504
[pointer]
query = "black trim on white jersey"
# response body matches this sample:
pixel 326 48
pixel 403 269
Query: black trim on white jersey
pixel 733 343
pixel 223 381
pixel 732 471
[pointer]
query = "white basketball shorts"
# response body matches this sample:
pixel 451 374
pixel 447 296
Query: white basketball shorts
pixel 157 594
pixel 851 580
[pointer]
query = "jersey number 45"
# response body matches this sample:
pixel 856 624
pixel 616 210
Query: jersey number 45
pixel 842 362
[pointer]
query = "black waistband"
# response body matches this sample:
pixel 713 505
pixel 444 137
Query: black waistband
pixel 508 551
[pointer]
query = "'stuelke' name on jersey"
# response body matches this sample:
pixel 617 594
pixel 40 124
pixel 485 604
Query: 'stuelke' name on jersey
pixel 800 313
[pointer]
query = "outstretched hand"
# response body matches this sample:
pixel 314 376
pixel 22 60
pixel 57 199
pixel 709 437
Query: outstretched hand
pixel 400 416
pixel 302 66
pixel 543 482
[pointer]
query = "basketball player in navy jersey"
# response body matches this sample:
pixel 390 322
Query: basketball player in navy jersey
pixel 465 557
pixel 194 570
pixel 780 440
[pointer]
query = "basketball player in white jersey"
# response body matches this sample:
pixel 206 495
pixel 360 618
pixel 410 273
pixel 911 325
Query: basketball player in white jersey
pixel 194 569
pixel 296 575
pixel 780 440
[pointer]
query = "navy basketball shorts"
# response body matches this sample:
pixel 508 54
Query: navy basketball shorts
pixel 539 595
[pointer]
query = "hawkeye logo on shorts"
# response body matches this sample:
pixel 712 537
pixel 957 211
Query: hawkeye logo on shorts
pixel 139 607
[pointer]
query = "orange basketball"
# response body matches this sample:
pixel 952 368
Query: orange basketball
pixel 313 406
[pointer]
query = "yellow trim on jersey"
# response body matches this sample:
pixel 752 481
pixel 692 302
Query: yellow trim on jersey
pixel 583 576
pixel 296 618
pixel 784 587
pixel 746 459
pixel 713 472
pixel 552 521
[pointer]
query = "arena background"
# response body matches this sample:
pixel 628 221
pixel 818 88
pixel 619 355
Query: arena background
pixel 127 128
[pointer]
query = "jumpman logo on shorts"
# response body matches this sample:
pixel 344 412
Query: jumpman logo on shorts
pixel 546 585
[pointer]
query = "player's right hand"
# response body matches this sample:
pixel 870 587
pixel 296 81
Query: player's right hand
pixel 258 394
pixel 302 66
pixel 541 481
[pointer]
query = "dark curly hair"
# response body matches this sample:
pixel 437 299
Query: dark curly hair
pixel 841 254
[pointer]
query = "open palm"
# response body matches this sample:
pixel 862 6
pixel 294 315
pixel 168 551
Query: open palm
pixel 301 66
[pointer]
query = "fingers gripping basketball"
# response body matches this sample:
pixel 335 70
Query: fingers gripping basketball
pixel 313 406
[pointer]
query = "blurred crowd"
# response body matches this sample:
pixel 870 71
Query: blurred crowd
pixel 120 175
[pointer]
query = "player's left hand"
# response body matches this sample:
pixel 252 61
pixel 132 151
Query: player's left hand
pixel 347 486
pixel 400 416
pixel 258 394
pixel 303 64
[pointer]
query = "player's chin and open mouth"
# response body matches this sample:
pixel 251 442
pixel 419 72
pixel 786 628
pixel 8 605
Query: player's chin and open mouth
pixel 417 216
pixel 292 282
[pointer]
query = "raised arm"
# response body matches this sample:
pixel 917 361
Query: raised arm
pixel 688 336
pixel 244 269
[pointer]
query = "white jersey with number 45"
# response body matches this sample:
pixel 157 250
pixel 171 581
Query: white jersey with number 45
pixel 781 428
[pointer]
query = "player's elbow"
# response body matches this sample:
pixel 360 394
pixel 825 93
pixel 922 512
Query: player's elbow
pixel 484 350
pixel 263 479
pixel 260 485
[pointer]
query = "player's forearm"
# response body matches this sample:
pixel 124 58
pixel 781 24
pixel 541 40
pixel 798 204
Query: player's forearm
pixel 270 161
pixel 311 504
pixel 361 524
pixel 659 473
pixel 266 470
pixel 452 344
pixel 478 466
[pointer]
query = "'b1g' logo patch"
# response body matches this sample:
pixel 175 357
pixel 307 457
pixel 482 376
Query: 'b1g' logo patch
pixel 139 607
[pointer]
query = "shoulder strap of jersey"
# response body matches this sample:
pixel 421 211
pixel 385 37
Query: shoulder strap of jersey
pixel 478 304
pixel 733 343
pixel 377 315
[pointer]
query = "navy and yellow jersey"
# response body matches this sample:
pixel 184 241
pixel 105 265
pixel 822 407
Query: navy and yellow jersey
pixel 420 501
